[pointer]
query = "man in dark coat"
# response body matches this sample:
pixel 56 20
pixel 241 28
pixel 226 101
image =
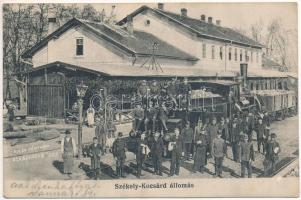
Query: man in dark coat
pixel 187 133
pixel 251 125
pixel 101 134
pixel 225 129
pixel 235 140
pixel 260 129
pixel 176 148
pixel 271 157
pixel 247 156
pixel 157 148
pixel 163 116
pixel 219 149
pixel 138 114
pixel 142 152
pixel 95 153
pixel 200 157
pixel 212 134
pixel 151 118
pixel 118 150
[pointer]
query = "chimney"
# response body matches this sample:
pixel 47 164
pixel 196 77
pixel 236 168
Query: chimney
pixel 52 23
pixel 183 12
pixel 218 22
pixel 203 17
pixel 129 24
pixel 210 20
pixel 161 6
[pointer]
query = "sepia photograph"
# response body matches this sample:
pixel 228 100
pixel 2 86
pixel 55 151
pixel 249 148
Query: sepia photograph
pixel 160 99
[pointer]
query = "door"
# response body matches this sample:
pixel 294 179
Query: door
pixel 46 101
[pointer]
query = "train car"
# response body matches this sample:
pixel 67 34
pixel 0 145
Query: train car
pixel 278 103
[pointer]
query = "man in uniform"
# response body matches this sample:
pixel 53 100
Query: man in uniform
pixel 247 156
pixel 142 89
pixel 219 149
pixel 213 129
pixel 172 91
pixel 95 153
pixel 271 157
pixel 235 140
pixel 142 153
pixel 187 133
pixel 176 148
pixel 260 133
pixel 154 88
pixel 157 148
pixel 138 117
pixel 151 118
pixel 118 150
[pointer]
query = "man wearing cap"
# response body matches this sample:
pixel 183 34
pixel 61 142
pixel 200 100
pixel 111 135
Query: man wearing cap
pixel 247 156
pixel 142 89
pixel 95 153
pixel 260 133
pixel 271 157
pixel 219 149
pixel 266 136
pixel 68 149
pixel 187 133
pixel 176 148
pixel 235 140
pixel 118 150
pixel 172 91
pixel 154 89
pixel 138 117
pixel 200 157
pixel 157 148
pixel 150 118
pixel 224 128
pixel 142 153
pixel 212 134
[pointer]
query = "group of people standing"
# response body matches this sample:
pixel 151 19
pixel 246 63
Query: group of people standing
pixel 207 140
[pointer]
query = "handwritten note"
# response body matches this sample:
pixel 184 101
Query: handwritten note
pixel 55 189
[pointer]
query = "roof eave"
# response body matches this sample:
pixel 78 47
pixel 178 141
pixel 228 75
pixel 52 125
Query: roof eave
pixel 166 56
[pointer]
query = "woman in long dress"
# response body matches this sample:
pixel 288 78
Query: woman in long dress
pixel 68 149
pixel 90 116
pixel 200 157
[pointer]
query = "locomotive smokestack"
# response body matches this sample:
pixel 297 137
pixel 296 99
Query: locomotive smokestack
pixel 244 74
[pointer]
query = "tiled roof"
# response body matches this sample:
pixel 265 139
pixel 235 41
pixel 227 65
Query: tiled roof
pixel 202 28
pixel 139 43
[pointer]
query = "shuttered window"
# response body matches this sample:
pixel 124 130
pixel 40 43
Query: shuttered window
pixel 79 46
pixel 204 50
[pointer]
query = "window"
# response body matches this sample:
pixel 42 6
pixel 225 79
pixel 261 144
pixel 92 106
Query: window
pixel 235 54
pixel 240 55
pixel 221 53
pixel 230 51
pixel 257 57
pixel 251 56
pixel 213 52
pixel 147 22
pixel 79 46
pixel 246 56
pixel 204 50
